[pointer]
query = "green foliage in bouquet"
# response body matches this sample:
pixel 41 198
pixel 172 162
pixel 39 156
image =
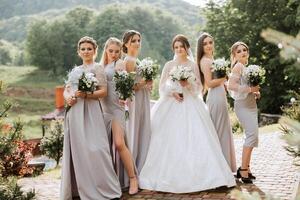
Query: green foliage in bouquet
pixel 124 84
pixel 52 146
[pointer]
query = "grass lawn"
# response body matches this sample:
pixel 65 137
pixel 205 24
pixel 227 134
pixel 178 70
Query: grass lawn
pixel 28 76
pixel 32 92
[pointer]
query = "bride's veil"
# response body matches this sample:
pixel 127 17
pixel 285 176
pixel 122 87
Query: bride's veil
pixel 190 55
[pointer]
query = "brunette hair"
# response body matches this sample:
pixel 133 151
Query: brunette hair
pixel 127 36
pixel 183 39
pixel 200 54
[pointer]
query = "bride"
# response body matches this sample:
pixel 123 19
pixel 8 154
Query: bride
pixel 184 154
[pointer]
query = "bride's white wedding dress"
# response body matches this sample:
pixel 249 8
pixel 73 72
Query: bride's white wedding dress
pixel 184 154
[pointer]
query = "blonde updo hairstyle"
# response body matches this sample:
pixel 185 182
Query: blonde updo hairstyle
pixel 233 51
pixel 111 40
pixel 90 40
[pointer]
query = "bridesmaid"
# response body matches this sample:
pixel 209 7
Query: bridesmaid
pixel 139 108
pixel 216 98
pixel 110 104
pixel 244 106
pixel 87 169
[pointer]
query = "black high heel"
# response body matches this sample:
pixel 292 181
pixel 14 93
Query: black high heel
pixel 250 175
pixel 246 180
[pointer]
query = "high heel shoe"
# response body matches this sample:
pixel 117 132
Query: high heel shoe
pixel 246 180
pixel 133 191
pixel 250 175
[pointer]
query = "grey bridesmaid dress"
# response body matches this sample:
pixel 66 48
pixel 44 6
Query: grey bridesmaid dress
pixel 217 106
pixel 245 108
pixel 113 111
pixel 87 168
pixel 139 127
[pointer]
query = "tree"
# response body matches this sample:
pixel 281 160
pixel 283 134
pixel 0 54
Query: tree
pixel 244 20
pixel 4 56
pixel 156 27
pixel 52 45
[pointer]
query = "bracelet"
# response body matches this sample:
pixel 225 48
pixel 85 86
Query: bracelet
pixel 85 96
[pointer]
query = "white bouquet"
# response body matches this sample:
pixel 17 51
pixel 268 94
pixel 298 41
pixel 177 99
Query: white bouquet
pixel 220 68
pixel 148 68
pixel 81 80
pixel 254 74
pixel 181 73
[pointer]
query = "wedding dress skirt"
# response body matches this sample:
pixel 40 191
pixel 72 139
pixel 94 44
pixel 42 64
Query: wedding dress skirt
pixel 184 154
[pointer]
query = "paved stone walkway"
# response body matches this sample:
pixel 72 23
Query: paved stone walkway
pixel 271 164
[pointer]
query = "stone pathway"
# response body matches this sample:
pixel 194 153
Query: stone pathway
pixel 276 175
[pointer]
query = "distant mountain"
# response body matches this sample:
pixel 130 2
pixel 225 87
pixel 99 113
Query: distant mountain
pixel 11 8
pixel 16 15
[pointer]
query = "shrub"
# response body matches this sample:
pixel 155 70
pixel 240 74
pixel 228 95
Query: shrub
pixel 10 190
pixel 290 126
pixel 53 146
pixel 14 156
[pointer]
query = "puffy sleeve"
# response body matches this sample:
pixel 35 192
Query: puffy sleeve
pixel 120 65
pixel 166 85
pixel 100 76
pixel 234 83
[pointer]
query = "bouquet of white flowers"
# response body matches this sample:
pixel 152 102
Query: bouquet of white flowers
pixel 124 83
pixel 220 68
pixel 148 68
pixel 181 73
pixel 81 80
pixel 254 74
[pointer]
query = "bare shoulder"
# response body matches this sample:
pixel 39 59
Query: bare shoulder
pixel 206 62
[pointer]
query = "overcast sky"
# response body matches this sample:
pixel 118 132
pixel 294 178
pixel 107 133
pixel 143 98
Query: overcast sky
pixel 197 2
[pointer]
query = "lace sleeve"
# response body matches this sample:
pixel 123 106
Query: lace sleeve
pixel 100 75
pixel 68 92
pixel 166 85
pixel 120 65
pixel 234 82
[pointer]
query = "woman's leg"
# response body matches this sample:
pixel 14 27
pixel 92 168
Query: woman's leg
pixel 118 137
pixel 246 156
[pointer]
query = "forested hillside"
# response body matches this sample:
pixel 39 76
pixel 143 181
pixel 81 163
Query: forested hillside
pixel 15 15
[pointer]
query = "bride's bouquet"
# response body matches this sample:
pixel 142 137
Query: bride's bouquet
pixel 148 68
pixel 124 82
pixel 220 68
pixel 254 74
pixel 181 73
